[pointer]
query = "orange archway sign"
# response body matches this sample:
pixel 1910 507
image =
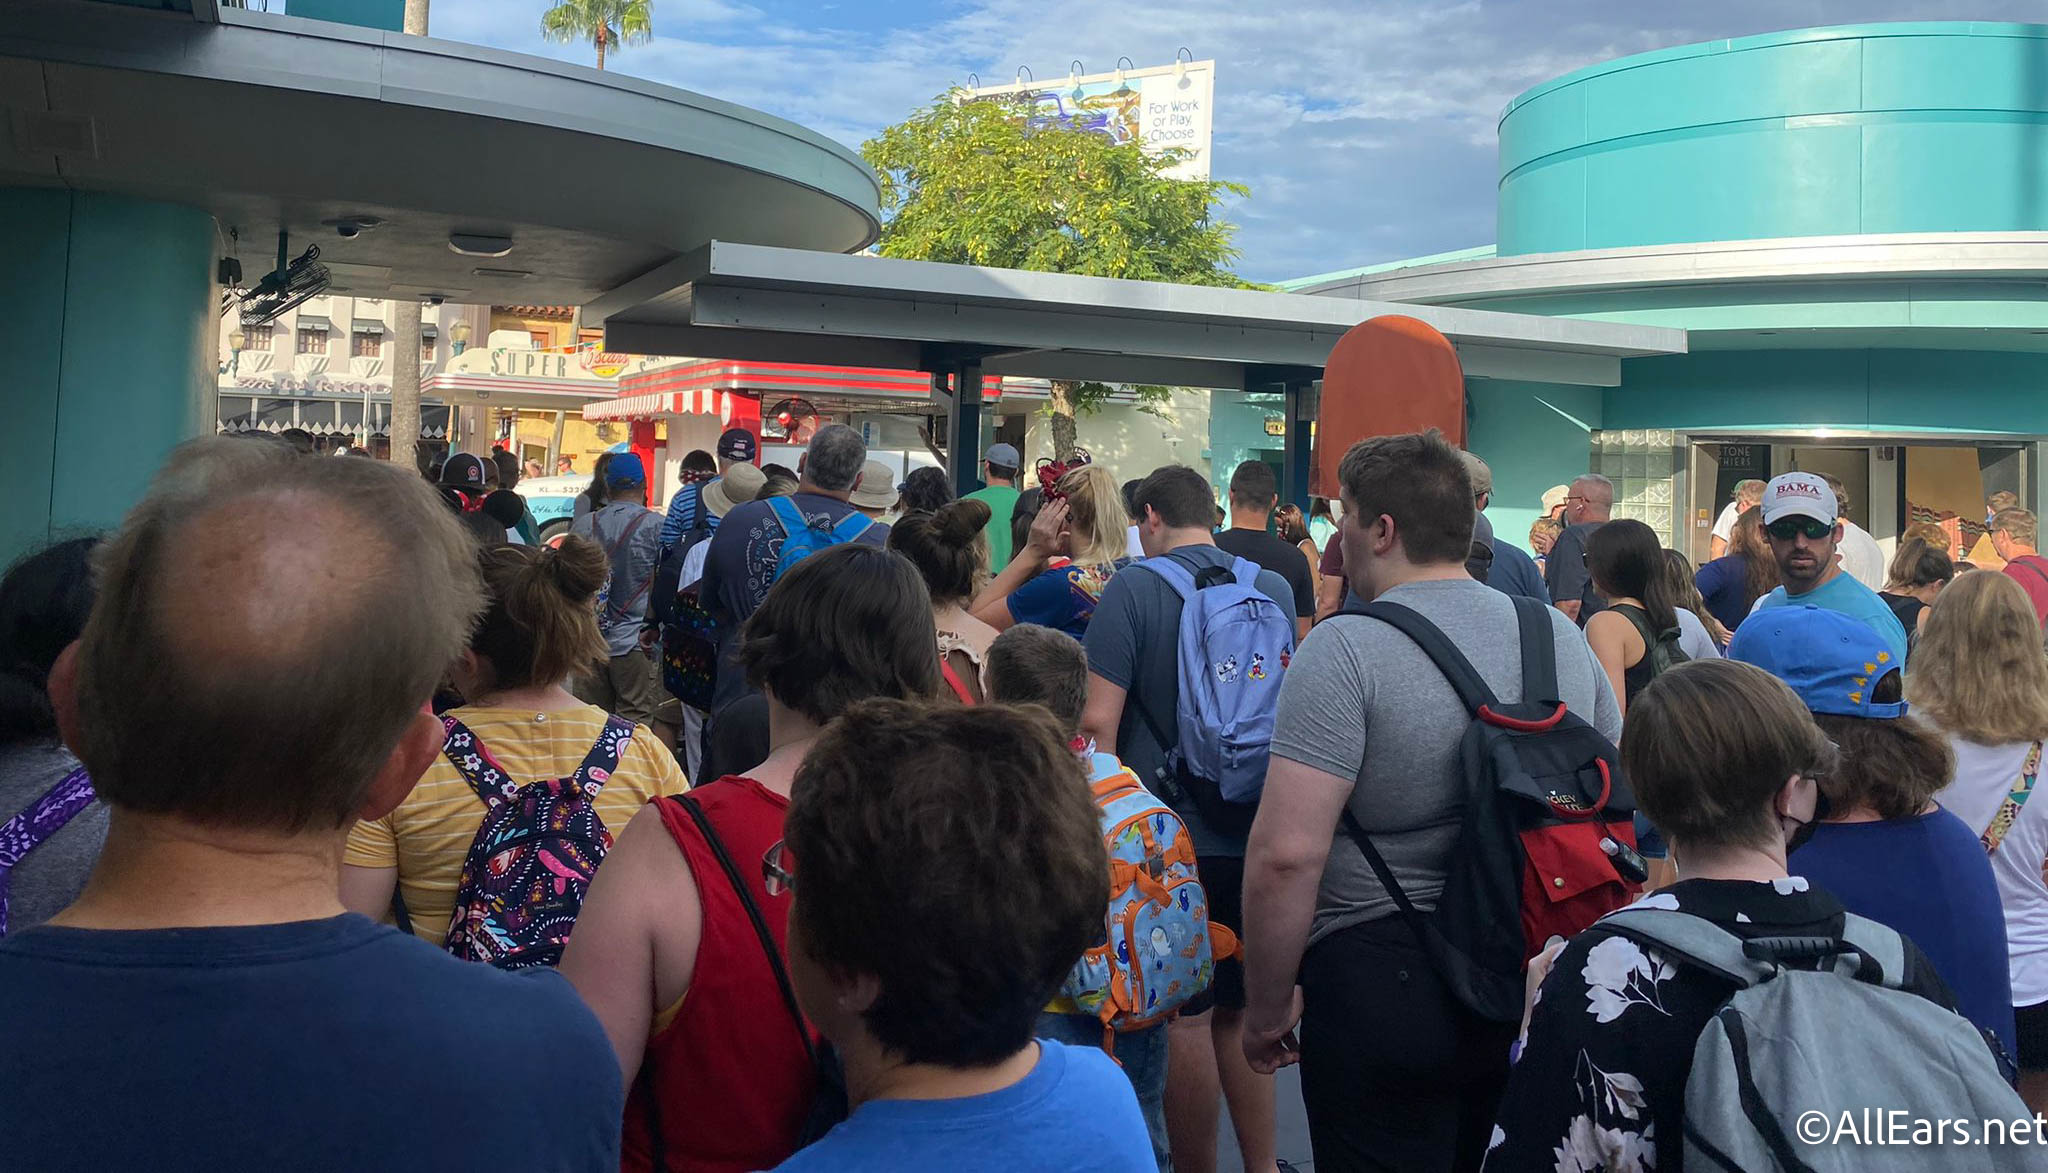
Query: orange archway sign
pixel 1386 376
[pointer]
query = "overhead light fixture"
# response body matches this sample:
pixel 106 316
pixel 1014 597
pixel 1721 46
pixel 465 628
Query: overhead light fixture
pixel 1024 75
pixel 507 274
pixel 470 244
pixel 1074 78
pixel 1181 60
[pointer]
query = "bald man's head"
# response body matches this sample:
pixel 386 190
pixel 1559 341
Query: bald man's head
pixel 266 628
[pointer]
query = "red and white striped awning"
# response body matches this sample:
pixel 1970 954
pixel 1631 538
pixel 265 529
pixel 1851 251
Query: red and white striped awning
pixel 698 402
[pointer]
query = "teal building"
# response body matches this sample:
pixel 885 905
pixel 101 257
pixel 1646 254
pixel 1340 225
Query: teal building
pixel 1851 225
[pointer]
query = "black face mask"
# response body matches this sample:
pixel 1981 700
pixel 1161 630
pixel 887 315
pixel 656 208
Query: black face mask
pixel 1821 809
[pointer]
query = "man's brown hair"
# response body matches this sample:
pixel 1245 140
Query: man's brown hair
pixel 955 854
pixel 1708 744
pixel 1253 485
pixel 266 628
pixel 1033 665
pixel 1420 481
pixel 1179 495
pixel 843 625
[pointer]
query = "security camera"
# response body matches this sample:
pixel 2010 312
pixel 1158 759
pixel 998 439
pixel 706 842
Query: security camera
pixel 435 299
pixel 348 230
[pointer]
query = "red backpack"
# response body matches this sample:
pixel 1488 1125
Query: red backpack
pixel 1546 843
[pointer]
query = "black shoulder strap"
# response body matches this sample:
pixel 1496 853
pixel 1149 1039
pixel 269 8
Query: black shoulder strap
pixel 739 887
pixel 1471 690
pixel 1385 875
pixel 1539 653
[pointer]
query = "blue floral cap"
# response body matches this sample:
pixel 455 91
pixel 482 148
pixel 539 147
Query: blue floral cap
pixel 1830 659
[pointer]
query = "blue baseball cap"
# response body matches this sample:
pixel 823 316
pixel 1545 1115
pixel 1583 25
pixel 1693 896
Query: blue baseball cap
pixel 739 445
pixel 1003 456
pixel 625 469
pixel 1831 660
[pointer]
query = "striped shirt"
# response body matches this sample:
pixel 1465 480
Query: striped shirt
pixel 428 835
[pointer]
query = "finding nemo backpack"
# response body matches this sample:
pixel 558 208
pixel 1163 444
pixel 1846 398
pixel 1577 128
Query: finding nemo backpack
pixel 1160 948
pixel 524 878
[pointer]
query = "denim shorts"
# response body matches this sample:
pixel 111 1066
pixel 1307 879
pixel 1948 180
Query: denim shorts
pixel 1143 1055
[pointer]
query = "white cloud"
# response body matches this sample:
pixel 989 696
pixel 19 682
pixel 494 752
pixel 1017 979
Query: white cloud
pixel 1365 129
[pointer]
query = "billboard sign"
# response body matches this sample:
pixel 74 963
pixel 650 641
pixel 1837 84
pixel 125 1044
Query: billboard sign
pixel 1163 107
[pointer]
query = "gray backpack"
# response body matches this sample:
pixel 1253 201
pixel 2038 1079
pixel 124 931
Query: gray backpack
pixel 1807 1070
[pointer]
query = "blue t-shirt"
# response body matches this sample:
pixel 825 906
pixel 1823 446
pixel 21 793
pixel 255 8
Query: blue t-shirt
pixel 336 1044
pixel 1074 1113
pixel 1724 584
pixel 1927 877
pixel 1064 597
pixel 1514 573
pixel 1844 594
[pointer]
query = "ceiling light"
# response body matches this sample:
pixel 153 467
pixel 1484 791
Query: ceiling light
pixel 507 274
pixel 471 244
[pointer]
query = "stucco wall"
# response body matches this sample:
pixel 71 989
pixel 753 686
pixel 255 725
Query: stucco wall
pixel 1132 443
pixel 1814 132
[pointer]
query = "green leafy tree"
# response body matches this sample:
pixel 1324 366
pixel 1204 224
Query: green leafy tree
pixel 974 182
pixel 603 23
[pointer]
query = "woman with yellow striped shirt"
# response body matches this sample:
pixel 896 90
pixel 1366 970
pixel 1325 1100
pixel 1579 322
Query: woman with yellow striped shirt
pixel 541 629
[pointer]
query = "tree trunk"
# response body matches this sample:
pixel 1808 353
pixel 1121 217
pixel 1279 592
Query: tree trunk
pixel 416 17
pixel 1063 428
pixel 600 49
pixel 405 380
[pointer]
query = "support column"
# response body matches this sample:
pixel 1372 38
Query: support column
pixel 1299 449
pixel 112 302
pixel 963 427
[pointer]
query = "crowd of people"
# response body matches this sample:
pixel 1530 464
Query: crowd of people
pixel 1031 829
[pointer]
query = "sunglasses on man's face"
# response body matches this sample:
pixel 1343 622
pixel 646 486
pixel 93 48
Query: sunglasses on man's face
pixel 1787 528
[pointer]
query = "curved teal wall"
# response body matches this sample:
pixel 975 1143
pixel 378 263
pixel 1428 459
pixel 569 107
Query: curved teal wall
pixel 1920 127
pixel 112 300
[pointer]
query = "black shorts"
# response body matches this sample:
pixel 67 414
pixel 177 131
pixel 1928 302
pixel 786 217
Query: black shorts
pixel 1223 882
pixel 2031 1035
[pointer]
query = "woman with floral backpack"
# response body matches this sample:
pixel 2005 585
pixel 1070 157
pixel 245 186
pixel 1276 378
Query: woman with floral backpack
pixel 1979 676
pixel 521 750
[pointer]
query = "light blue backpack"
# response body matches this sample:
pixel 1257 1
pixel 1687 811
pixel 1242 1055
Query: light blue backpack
pixel 1160 948
pixel 806 537
pixel 1234 645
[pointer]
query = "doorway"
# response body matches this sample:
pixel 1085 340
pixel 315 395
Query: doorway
pixel 1891 482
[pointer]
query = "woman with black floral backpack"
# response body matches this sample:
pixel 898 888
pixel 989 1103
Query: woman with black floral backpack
pixel 520 726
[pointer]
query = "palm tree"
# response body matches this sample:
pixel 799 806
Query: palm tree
pixel 601 22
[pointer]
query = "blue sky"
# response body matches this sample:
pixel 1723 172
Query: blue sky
pixel 1365 128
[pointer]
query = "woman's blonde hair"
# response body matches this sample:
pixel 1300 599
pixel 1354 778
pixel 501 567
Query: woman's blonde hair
pixel 1978 671
pixel 1096 522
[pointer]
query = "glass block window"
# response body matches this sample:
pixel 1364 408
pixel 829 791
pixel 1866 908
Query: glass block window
pixel 1644 464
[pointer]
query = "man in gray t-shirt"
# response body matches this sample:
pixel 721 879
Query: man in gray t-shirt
pixel 1392 1065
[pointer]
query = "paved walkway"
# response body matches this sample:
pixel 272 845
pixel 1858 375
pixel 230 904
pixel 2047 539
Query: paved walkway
pixel 1291 1123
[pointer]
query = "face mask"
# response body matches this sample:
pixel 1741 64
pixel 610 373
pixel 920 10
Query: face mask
pixel 1821 809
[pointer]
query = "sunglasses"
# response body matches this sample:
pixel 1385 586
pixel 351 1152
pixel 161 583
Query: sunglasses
pixel 1787 528
pixel 776 874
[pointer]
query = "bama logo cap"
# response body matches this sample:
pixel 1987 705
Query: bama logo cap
pixel 1830 659
pixel 1798 494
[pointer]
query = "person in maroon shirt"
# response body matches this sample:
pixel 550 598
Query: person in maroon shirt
pixel 722 1080
pixel 2014 535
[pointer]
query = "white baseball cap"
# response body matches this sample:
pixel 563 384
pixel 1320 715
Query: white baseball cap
pixel 1798 494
